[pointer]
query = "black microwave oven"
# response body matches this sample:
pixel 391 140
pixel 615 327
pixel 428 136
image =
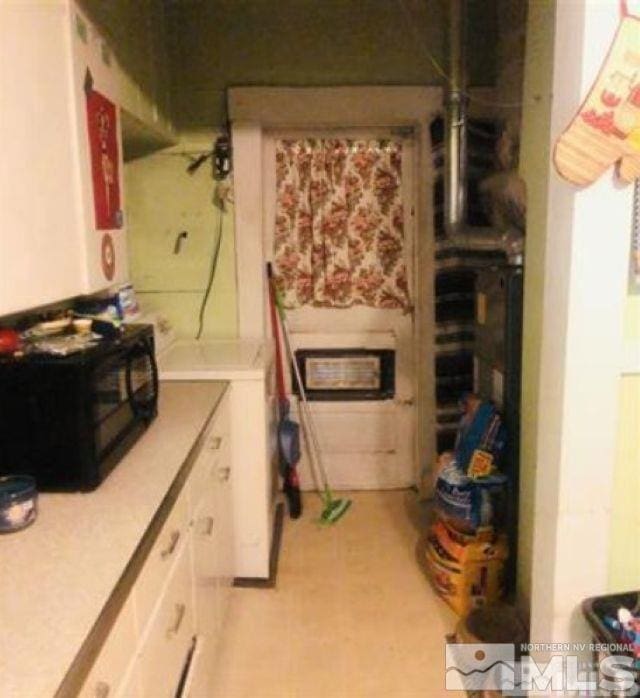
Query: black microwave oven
pixel 69 420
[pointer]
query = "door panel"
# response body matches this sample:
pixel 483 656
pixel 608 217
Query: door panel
pixel 383 459
pixel 364 445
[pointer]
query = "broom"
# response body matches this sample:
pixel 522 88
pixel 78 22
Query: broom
pixel 333 508
pixel 288 431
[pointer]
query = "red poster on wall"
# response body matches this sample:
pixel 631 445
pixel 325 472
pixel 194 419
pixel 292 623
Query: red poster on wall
pixel 103 143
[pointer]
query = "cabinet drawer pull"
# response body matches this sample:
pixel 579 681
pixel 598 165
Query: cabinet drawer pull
pixel 173 542
pixel 215 443
pixel 206 525
pixel 102 689
pixel 223 474
pixel 181 609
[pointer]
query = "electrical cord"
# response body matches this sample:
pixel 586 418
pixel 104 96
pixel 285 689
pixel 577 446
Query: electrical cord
pixel 220 156
pixel 212 273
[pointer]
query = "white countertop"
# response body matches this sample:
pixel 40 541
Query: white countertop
pixel 58 574
pixel 234 359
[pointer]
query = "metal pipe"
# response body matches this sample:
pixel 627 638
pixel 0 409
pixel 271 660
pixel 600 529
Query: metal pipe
pixel 456 122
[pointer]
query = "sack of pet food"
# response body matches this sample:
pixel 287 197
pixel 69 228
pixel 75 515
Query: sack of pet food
pixel 468 503
pixel 481 438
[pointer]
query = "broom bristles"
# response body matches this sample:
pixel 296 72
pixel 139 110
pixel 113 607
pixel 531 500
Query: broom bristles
pixel 334 509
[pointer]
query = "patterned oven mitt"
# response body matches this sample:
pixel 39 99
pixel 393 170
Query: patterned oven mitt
pixel 606 129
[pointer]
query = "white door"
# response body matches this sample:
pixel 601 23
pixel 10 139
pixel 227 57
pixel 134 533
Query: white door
pixel 364 444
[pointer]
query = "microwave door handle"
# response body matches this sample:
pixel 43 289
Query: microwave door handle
pixel 142 408
pixel 152 402
pixel 149 406
pixel 130 396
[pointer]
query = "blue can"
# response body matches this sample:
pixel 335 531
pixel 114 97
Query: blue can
pixel 18 502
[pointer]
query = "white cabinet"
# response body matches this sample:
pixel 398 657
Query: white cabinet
pixel 205 567
pixel 95 76
pixel 212 544
pixel 108 676
pixel 167 547
pixel 226 534
pixel 202 674
pixel 50 245
pixel 254 479
pixel 131 686
pixel 248 365
pixel 175 608
pixel 169 635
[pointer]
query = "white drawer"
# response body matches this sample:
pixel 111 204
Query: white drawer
pixel 132 682
pixel 205 544
pixel 171 541
pixel 206 463
pixel 225 539
pixel 109 669
pixel 216 446
pixel 201 676
pixel 167 640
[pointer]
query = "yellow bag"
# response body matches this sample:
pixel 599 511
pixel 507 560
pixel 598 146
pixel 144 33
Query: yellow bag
pixel 466 570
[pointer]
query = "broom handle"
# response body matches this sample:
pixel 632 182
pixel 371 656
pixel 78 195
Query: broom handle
pixel 282 393
pixel 316 457
pixel 308 418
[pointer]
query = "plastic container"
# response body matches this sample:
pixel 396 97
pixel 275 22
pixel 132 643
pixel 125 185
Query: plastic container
pixel 18 502
pixel 499 624
pixel 598 612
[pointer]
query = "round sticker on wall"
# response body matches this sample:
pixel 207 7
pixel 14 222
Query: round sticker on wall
pixel 108 257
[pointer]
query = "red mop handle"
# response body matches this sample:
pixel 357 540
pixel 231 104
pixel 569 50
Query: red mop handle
pixel 282 393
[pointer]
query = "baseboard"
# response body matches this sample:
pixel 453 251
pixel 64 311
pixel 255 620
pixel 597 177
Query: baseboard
pixel 274 556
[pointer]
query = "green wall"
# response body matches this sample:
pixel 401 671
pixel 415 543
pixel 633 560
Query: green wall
pixel 213 45
pixel 632 317
pixel 624 568
pixel 162 200
pixel 226 43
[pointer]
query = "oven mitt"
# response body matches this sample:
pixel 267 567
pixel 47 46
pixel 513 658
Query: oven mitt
pixel 606 129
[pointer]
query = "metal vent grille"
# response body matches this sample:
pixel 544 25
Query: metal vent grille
pixel 343 373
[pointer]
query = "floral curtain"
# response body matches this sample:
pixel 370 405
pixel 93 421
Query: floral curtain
pixel 339 229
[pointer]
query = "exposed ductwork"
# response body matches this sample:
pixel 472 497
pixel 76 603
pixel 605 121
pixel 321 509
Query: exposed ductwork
pixel 456 122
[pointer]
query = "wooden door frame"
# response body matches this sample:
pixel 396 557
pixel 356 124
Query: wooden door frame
pixel 255 110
